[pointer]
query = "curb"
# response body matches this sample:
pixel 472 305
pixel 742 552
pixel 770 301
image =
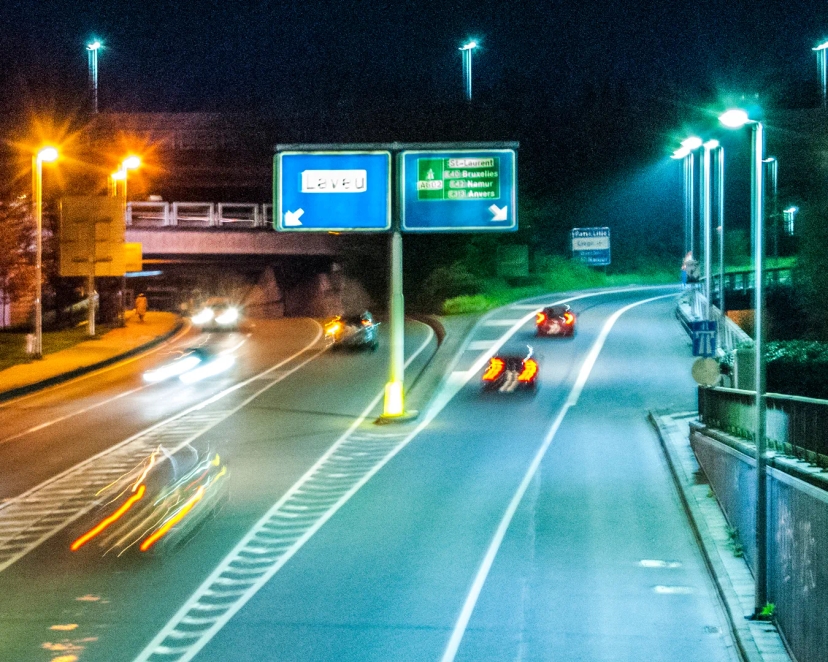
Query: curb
pixel 18 391
pixel 742 636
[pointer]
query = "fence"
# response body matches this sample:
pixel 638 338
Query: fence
pixel 692 307
pixel 796 426
pixel 199 215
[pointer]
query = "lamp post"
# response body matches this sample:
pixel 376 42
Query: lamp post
pixel 44 155
pixel 129 163
pixel 735 119
pixel 720 218
pixel 92 55
pixel 790 215
pixel 822 72
pixel 466 51
pixel 773 172
pixel 708 222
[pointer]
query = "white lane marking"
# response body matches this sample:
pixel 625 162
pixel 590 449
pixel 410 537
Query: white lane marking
pixel 673 590
pixel 658 563
pixel 530 306
pixel 500 322
pixel 387 445
pixel 483 572
pixel 477 345
pixel 49 507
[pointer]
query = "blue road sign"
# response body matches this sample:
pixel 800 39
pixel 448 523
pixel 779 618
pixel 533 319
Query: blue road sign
pixel 591 246
pixel 458 190
pixel 332 191
pixel 704 334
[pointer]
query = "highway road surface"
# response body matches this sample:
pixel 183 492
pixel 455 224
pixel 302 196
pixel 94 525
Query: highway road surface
pixel 491 527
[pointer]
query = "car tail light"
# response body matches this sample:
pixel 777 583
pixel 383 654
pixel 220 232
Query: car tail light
pixel 114 517
pixel 540 318
pixel 366 322
pixel 495 369
pixel 530 369
pixel 569 318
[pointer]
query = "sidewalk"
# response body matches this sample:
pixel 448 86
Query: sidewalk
pixel 757 641
pixel 89 355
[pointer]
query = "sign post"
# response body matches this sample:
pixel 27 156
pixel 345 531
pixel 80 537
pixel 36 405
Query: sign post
pixel 439 188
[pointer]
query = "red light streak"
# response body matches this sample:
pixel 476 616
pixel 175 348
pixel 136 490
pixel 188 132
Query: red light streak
pixel 496 367
pixel 114 517
pixel 530 369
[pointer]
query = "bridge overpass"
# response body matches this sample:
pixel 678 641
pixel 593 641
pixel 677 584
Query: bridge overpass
pixel 166 229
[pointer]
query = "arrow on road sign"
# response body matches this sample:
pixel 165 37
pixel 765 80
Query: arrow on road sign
pixel 292 218
pixel 498 213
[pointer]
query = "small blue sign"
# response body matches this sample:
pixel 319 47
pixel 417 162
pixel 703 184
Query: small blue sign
pixel 332 191
pixel 458 190
pixel 704 334
pixel 591 246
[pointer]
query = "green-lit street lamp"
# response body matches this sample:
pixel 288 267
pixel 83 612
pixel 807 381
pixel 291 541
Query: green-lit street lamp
pixel 822 72
pixel 735 119
pixel 43 155
pixel 466 51
pixel 773 175
pixel 92 49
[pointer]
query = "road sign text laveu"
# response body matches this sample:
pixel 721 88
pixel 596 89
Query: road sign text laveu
pixel 334 181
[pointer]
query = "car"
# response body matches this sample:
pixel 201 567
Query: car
pixel 353 332
pixel 508 373
pixel 157 505
pixel 218 313
pixel 555 321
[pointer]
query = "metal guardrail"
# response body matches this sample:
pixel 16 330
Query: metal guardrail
pixel 692 307
pixel 796 426
pixel 744 281
pixel 199 215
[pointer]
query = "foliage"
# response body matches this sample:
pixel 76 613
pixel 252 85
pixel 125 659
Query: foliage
pixel 552 274
pixel 812 268
pixel 797 367
pixel 446 283
pixel 768 611
pixel 16 242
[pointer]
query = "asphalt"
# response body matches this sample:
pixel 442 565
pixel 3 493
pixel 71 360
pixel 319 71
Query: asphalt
pixel 133 338
pixel 757 641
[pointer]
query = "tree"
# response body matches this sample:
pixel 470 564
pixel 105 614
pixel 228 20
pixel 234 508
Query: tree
pixel 16 251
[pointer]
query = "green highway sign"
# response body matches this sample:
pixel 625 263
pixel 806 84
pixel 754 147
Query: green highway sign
pixel 467 178
pixel 458 190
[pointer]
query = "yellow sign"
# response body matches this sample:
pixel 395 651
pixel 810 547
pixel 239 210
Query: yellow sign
pixel 92 233
pixel 133 256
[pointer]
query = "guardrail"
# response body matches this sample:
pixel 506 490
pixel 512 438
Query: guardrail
pixel 744 281
pixel 199 215
pixel 691 308
pixel 796 426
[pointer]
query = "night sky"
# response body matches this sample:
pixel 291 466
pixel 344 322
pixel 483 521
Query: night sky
pixel 173 55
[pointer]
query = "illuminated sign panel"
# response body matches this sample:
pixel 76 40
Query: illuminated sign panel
pixel 332 191
pixel 458 190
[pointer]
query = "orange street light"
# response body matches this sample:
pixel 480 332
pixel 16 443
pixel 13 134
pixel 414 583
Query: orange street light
pixel 43 155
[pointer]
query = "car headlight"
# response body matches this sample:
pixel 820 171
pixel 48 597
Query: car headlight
pixel 203 316
pixel 228 316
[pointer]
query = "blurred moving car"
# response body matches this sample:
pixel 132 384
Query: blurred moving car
pixel 353 332
pixel 507 373
pixel 555 321
pixel 192 365
pixel 158 504
pixel 217 313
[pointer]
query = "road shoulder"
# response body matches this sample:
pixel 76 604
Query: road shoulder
pixel 757 641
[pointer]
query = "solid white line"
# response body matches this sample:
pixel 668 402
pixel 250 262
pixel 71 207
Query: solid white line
pixel 485 566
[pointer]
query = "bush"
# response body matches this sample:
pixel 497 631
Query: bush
pixel 447 283
pixel 798 367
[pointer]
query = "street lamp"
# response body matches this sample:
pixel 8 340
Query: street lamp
pixel 688 145
pixel 789 215
pixel 129 163
pixel 735 119
pixel 822 72
pixel 92 55
pixel 466 50
pixel 708 223
pixel 773 172
pixel 44 155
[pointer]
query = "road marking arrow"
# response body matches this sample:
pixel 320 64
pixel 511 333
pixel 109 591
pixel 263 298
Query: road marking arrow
pixel 292 218
pixel 499 214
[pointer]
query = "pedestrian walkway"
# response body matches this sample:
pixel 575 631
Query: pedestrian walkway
pixel 89 355
pixel 758 641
